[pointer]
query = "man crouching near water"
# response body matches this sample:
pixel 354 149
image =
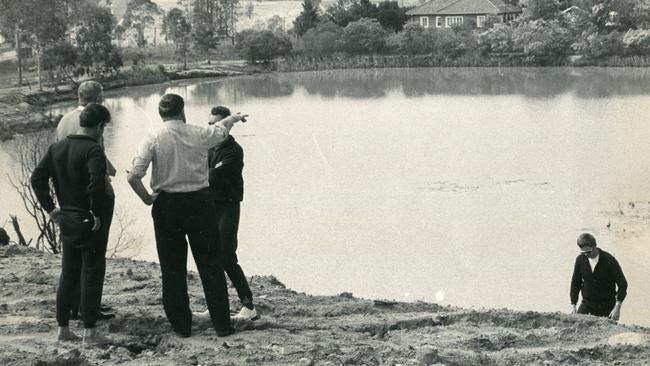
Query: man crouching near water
pixel 600 278
pixel 182 207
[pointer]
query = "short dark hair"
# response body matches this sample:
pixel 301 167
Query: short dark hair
pixel 586 240
pixel 220 110
pixel 93 114
pixel 170 105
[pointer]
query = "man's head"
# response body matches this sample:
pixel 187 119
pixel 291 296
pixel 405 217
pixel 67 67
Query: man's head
pixel 218 113
pixel 171 106
pixel 90 92
pixel 93 119
pixel 587 244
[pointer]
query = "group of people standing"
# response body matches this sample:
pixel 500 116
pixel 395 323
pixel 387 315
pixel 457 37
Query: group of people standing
pixel 196 190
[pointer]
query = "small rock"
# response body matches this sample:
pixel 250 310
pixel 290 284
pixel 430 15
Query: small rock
pixel 305 362
pixel 347 295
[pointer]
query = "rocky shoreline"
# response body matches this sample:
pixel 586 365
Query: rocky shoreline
pixel 294 329
pixel 25 111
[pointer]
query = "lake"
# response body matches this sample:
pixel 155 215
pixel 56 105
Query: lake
pixel 465 187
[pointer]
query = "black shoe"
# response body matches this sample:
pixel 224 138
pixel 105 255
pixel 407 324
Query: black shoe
pixel 183 334
pixel 225 332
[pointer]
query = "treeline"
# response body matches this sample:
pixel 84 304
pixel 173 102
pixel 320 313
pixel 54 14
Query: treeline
pixel 357 33
pixel 70 38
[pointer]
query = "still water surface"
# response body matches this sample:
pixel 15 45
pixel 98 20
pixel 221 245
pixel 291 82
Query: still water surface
pixel 462 186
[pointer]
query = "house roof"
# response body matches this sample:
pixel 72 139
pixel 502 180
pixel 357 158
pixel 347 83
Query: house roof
pixel 457 7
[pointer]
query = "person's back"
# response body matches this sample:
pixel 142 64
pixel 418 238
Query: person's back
pixel 72 180
pixel 176 144
pixel 69 124
pixel 226 162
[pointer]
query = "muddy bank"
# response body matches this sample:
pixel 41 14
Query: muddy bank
pixel 295 328
pixel 25 110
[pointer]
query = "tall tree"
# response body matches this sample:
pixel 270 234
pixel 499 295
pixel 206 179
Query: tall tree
pixel 177 29
pixel 308 18
pixel 139 15
pixel 38 23
pixel 344 12
pixel 204 28
pixel 94 31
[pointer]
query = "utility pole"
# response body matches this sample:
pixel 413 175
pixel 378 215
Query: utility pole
pixel 18 56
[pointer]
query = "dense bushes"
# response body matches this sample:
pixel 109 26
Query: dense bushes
pixel 263 45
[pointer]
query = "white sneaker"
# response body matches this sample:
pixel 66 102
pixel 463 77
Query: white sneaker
pixel 247 314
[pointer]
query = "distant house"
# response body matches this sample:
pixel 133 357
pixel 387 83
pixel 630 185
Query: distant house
pixel 441 14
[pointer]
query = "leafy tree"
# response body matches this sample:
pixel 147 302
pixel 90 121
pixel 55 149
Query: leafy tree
pixel 391 16
pixel 139 15
pixel 60 60
pixel 596 45
pixel 308 18
pixel 262 45
pixel 497 40
pixel 343 12
pixel 620 15
pixel 177 29
pixel 38 22
pixel 637 41
pixel 275 24
pixel 363 36
pixel 542 42
pixel 540 9
pixel 94 35
pixel 414 40
pixel 323 39
pixel 204 29
pixel 212 19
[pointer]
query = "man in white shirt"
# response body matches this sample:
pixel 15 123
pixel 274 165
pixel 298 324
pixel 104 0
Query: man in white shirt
pixel 182 207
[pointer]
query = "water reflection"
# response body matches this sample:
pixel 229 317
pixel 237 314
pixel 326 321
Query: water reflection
pixel 530 82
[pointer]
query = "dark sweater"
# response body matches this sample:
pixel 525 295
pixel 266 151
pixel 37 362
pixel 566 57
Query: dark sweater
pixel 226 162
pixel 599 286
pixel 77 167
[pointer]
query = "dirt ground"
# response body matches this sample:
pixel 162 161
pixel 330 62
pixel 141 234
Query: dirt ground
pixel 294 329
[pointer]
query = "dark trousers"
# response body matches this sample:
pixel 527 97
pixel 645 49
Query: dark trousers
pixel 596 308
pixel 106 219
pixel 192 215
pixel 83 267
pixel 227 226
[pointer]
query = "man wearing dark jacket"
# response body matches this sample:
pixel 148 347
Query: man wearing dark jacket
pixel 226 162
pixel 77 167
pixel 600 278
